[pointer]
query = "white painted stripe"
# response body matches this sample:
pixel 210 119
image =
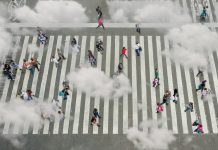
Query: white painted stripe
pixel 116 100
pixel 185 5
pixel 107 72
pixel 125 97
pixel 79 94
pixel 107 25
pixel 7 82
pixel 201 105
pixel 193 11
pixel 181 98
pixel 87 110
pixel 151 71
pixel 97 99
pixel 161 86
pixel 62 78
pixel 210 12
pixel 25 84
pixel 44 78
pixel 211 108
pixel 69 100
pixel 189 92
pixel 143 83
pixel 17 80
pixel 134 84
pixel 52 85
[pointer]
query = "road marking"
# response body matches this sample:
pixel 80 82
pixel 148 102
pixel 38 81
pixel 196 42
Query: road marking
pixel 16 82
pixel 125 97
pixel 151 71
pixel 25 84
pixel 107 72
pixel 181 98
pixel 44 78
pixel 69 101
pixel 62 78
pixel 161 86
pixel 79 93
pixel 211 107
pixel 116 100
pixel 201 106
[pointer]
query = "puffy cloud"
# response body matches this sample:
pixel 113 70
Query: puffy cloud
pixel 159 11
pixel 153 137
pixel 96 83
pixel 190 45
pixel 52 11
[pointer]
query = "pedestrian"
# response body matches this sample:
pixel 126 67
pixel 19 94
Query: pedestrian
pixel 94 121
pixel 138 49
pixel 201 86
pixel 65 84
pixel 35 63
pixel 75 46
pixel 29 94
pixel 96 113
pixel 175 95
pixel 100 23
pixel 199 129
pixel 138 28
pixel 123 52
pixel 156 73
pixel 200 72
pixel 14 67
pixel 98 10
pixel 91 58
pixel 61 115
pixel 120 68
pixel 99 46
pixel 54 60
pixel 28 65
pixel 189 107
pixel 205 92
pixel 166 98
pixel 156 82
pixel 65 92
pixel 159 108
pixel 60 55
pixel 196 122
pixel 42 37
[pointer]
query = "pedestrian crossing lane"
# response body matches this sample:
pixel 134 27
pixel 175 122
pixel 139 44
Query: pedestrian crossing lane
pixel 69 101
pixel 79 93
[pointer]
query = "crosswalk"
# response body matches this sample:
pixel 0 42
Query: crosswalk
pixel 118 114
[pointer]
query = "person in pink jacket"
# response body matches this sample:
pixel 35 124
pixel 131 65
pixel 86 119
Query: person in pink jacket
pixel 100 23
pixel 159 108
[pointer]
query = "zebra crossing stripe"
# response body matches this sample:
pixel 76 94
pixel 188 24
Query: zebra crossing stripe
pixel 185 5
pixel 7 82
pixel 143 83
pixel 87 103
pixel 116 100
pixel 193 11
pixel 134 84
pixel 151 70
pixel 25 84
pixel 69 101
pixel 44 78
pixel 97 99
pixel 201 106
pixel 125 97
pixel 161 86
pixel 189 93
pixel 16 82
pixel 79 94
pixel 181 98
pixel 62 78
pixel 210 12
pixel 211 108
pixel 107 72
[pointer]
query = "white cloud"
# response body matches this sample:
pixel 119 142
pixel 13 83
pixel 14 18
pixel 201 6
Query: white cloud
pixel 52 11
pixel 154 11
pixel 190 45
pixel 94 81
pixel 154 138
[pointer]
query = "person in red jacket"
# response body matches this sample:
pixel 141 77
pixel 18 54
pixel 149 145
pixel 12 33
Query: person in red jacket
pixel 123 52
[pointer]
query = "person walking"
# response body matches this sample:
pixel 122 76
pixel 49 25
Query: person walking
pixel 91 58
pixel 199 129
pixel 120 68
pixel 55 61
pixel 96 113
pixel 201 86
pixel 60 55
pixel 138 30
pixel 159 108
pixel 100 23
pixel 29 94
pixel 35 63
pixel 200 72
pixel 99 12
pixel 138 49
pixel 28 65
pixel 175 95
pixel 189 107
pixel 123 52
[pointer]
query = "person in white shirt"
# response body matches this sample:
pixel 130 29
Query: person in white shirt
pixel 138 49
pixel 54 60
